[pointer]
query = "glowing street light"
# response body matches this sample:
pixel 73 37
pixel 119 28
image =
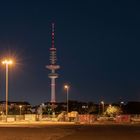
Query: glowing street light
pixel 67 91
pixel 7 63
pixel 20 109
pixel 103 104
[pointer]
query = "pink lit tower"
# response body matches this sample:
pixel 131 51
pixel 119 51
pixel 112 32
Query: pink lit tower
pixel 53 67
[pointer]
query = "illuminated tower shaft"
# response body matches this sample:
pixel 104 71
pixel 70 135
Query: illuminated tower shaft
pixel 53 67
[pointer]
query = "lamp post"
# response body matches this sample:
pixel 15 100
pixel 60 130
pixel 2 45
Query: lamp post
pixel 67 91
pixel 7 63
pixel 102 102
pixel 20 109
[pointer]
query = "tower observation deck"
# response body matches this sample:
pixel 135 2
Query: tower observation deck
pixel 53 67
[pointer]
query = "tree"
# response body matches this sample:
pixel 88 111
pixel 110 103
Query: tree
pixel 113 111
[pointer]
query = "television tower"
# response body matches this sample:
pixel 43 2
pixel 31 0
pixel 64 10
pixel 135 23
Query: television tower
pixel 53 67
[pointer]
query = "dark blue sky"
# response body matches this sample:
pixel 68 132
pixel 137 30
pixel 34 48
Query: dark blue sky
pixel 98 45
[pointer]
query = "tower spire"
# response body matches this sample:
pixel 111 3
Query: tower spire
pixel 53 35
pixel 53 67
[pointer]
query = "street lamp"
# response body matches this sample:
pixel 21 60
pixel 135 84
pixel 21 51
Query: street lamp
pixel 67 91
pixel 7 63
pixel 102 102
pixel 20 109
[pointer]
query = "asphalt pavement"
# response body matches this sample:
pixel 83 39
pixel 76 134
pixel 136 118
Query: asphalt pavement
pixel 70 132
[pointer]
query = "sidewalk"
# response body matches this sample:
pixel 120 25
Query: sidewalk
pixel 35 123
pixel 41 123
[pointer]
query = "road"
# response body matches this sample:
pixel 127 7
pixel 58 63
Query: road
pixel 70 132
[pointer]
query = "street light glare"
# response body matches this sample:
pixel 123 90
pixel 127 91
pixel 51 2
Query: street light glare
pixel 102 102
pixel 20 106
pixel 66 86
pixel 7 62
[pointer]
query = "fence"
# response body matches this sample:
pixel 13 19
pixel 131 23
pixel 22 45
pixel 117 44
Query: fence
pixel 85 118
pixel 12 118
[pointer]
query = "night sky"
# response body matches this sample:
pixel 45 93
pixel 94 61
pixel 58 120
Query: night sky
pixel 98 49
